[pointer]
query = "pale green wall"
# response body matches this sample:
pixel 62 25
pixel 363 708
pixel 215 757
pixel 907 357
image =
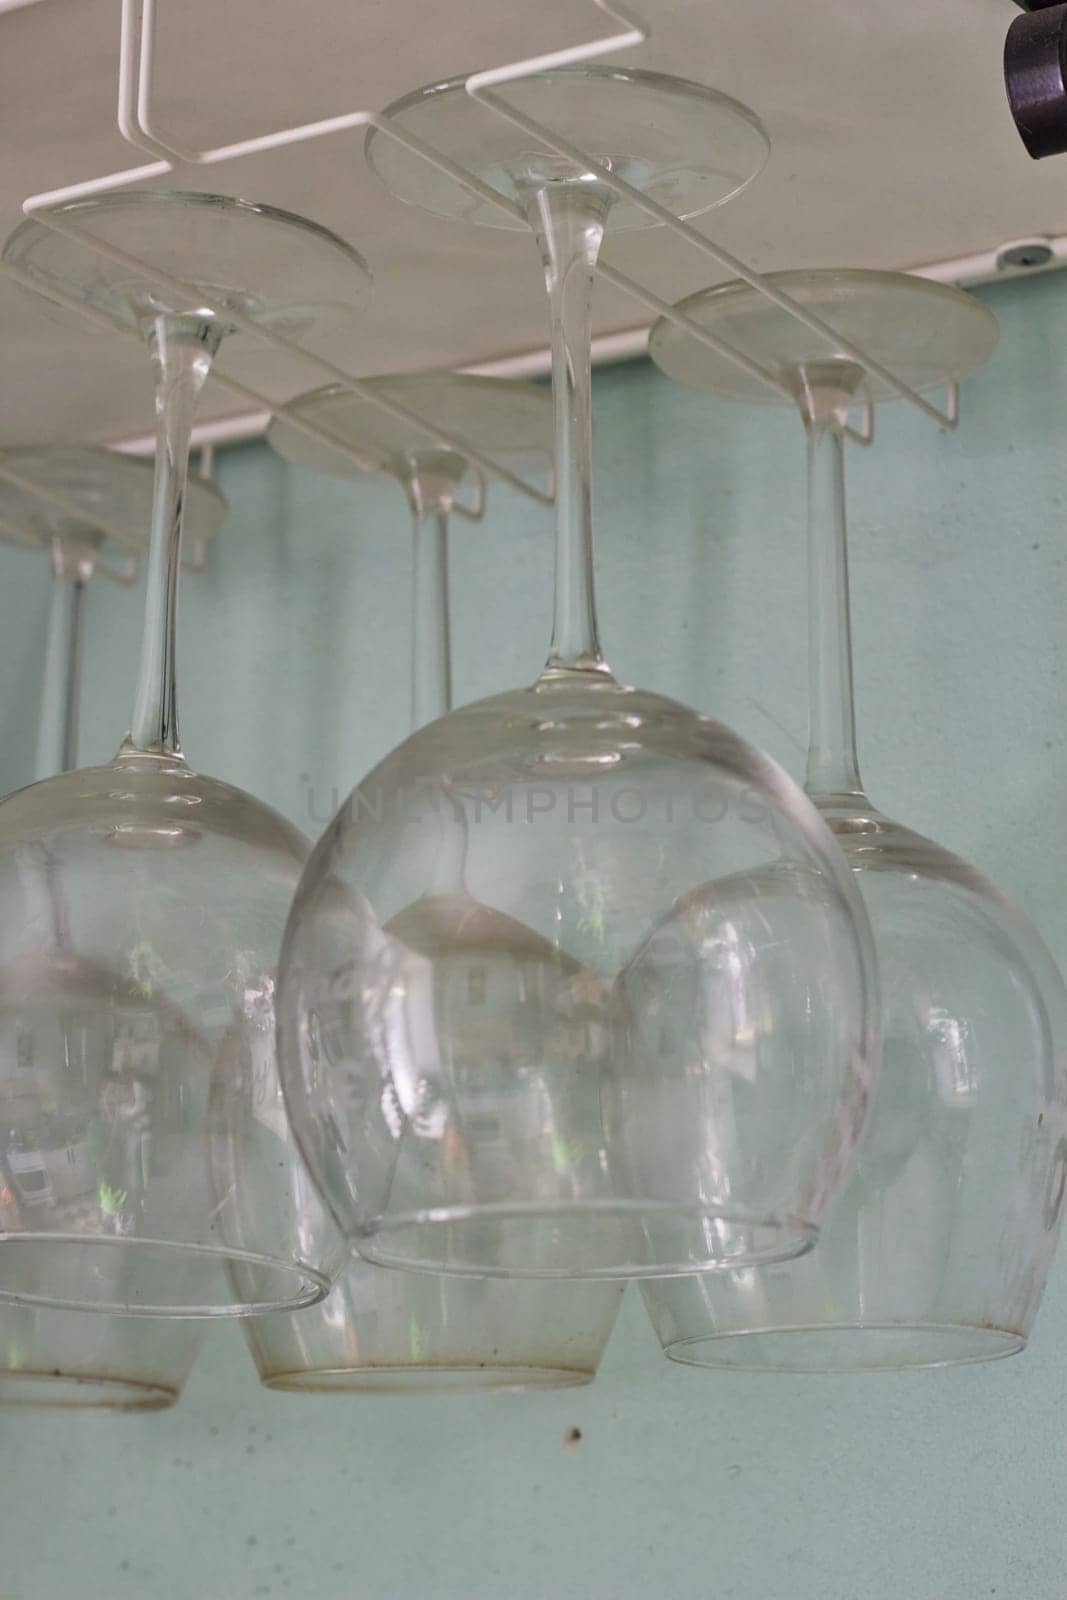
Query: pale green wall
pixel 685 1486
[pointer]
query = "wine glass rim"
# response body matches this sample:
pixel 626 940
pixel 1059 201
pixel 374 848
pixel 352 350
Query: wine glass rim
pixel 312 1284
pixel 684 88
pixel 67 1389
pixel 121 199
pixel 425 1377
pixel 990 1342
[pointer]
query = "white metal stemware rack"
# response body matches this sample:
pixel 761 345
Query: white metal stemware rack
pixel 137 54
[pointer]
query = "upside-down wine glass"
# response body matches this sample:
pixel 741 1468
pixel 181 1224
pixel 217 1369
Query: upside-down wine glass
pixel 173 885
pixel 938 1247
pixel 511 1128
pixel 382 1330
pixel 52 1359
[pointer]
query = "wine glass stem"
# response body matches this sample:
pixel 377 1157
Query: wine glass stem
pixel 568 222
pixel 432 485
pixel 182 349
pixel 57 738
pixel 431 651
pixel 833 768
pixel 432 482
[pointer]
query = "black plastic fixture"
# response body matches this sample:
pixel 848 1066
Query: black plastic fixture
pixel 1035 75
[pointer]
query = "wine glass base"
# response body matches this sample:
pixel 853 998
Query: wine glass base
pixel 508 420
pixel 427 1380
pixel 240 257
pixel 927 334
pixel 104 486
pixel 62 1391
pixel 605 1240
pixel 150 1278
pixel 849 1348
pixel 683 145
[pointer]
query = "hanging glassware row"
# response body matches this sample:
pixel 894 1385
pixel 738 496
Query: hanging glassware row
pixel 61 499
pixel 578 986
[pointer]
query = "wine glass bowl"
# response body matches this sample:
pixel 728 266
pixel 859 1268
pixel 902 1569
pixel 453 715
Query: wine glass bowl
pixel 940 1241
pixel 107 1079
pixel 740 988
pixel 431 1083
pixel 937 1250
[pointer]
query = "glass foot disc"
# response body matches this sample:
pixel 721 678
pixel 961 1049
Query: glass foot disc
pixel 926 333
pixel 686 146
pixel 508 420
pixel 115 487
pixel 249 258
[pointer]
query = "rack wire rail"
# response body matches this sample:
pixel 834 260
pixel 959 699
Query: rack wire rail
pixel 137 56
